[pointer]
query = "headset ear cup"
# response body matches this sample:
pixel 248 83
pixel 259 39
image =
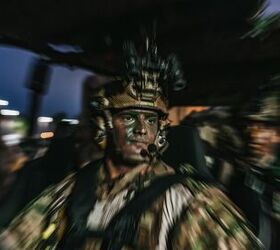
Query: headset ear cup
pixel 161 139
pixel 103 144
pixel 101 139
pixel 102 125
pixel 99 131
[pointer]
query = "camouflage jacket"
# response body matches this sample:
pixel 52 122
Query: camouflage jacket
pixel 189 215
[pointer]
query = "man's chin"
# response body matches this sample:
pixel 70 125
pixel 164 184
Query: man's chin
pixel 135 159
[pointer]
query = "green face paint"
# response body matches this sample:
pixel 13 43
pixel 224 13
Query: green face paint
pixel 134 130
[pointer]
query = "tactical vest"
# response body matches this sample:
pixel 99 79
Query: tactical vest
pixel 122 228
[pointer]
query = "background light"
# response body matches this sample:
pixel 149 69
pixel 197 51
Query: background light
pixel 4 103
pixel 11 139
pixel 45 119
pixel 46 135
pixel 9 112
pixel 71 121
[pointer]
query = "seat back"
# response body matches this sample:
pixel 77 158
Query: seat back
pixel 185 147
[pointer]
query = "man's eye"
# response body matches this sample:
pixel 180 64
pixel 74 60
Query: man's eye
pixel 152 120
pixel 127 118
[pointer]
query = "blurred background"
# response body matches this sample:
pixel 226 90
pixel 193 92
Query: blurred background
pixel 230 54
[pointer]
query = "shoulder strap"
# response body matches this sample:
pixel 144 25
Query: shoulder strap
pixel 79 205
pixel 121 230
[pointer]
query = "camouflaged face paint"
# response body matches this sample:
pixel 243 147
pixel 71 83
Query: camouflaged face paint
pixel 133 131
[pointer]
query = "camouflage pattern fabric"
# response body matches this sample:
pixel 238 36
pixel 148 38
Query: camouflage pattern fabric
pixel 38 221
pixel 211 221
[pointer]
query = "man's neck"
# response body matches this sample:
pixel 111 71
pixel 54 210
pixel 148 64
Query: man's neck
pixel 116 169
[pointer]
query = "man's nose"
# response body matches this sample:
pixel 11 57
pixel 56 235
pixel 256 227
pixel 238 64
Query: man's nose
pixel 140 127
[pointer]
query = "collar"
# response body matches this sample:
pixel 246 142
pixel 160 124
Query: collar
pixel 136 179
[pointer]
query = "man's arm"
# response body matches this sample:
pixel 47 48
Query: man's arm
pixel 212 222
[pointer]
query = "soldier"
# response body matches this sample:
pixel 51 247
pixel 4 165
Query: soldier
pixel 263 163
pixel 131 199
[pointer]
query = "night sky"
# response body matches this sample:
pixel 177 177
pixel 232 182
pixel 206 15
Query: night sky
pixel 64 91
pixel 273 7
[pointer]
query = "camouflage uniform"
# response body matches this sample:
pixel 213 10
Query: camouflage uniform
pixel 207 221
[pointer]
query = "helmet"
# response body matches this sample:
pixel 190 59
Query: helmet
pixel 266 106
pixel 144 83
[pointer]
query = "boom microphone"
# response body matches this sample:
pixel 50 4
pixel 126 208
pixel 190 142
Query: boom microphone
pixel 152 148
pixel 151 152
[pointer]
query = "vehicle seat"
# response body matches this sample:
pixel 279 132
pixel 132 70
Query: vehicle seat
pixel 185 147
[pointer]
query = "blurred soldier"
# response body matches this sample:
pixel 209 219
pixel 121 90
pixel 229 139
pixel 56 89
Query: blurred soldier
pixel 222 140
pixel 264 161
pixel 130 199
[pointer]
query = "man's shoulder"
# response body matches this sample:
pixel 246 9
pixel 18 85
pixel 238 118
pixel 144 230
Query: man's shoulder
pixel 194 193
pixel 211 220
pixel 203 193
pixel 187 177
pixel 26 230
pixel 209 217
pixel 44 201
